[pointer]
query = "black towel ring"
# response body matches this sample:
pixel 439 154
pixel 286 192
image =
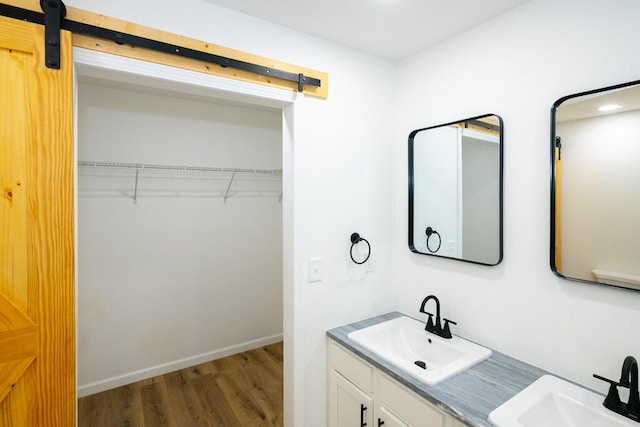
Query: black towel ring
pixel 355 239
pixel 430 232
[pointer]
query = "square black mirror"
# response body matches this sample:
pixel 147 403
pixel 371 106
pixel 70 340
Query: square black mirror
pixel 455 190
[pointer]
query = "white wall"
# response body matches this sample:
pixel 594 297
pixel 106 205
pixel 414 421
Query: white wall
pixel 342 178
pixel 600 206
pixel 435 183
pixel 480 200
pixel 180 277
pixel 516 66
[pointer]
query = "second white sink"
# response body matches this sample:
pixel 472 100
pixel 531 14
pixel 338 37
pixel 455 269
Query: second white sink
pixel 551 401
pixel 404 343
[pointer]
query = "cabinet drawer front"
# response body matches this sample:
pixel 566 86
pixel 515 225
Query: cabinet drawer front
pixel 400 400
pixel 352 367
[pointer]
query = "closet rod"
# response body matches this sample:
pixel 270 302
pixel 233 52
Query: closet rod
pixel 177 168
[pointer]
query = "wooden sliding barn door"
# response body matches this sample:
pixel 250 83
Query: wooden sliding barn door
pixel 37 328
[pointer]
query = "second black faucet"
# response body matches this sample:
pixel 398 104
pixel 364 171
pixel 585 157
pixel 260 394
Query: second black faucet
pixel 628 379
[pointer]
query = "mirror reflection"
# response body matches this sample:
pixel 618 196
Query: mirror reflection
pixel 595 193
pixel 455 190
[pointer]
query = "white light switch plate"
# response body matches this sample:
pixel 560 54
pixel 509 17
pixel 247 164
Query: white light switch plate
pixel 315 269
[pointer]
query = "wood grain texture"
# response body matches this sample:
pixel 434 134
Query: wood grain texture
pixel 18 344
pixel 166 59
pixel 36 216
pixel 245 389
pixel 10 374
pixel 13 137
pixel 15 36
pixel 11 317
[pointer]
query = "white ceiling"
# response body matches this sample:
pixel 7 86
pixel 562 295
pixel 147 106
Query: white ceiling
pixel 391 29
pixel 586 106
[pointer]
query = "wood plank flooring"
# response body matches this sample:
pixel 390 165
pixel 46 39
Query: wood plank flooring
pixel 240 390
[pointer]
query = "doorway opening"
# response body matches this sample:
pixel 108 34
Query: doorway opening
pixel 184 210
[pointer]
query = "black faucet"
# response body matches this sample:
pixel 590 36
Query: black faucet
pixel 436 328
pixel 628 379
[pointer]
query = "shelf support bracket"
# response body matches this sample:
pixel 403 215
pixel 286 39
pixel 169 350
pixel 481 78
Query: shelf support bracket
pixel 226 194
pixel 135 188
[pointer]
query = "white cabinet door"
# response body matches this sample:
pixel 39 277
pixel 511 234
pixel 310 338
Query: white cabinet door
pixel 413 410
pixel 384 418
pixel 348 405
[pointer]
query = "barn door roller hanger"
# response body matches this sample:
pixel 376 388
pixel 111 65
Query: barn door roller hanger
pixel 53 19
pixel 54 11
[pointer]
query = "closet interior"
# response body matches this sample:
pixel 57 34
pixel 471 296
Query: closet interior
pixel 179 201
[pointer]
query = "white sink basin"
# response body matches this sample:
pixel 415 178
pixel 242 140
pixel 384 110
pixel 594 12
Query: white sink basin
pixel 550 401
pixel 403 341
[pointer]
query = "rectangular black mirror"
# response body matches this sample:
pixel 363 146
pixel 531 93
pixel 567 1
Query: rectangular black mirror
pixel 595 186
pixel 455 190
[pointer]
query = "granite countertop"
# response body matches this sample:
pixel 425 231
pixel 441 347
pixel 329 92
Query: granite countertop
pixel 469 396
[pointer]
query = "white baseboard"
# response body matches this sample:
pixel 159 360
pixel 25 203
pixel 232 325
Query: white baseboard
pixel 120 380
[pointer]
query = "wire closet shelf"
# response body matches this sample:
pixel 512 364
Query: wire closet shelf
pixel 142 170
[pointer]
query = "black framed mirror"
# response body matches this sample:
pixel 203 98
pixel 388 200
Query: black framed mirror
pixel 455 190
pixel 595 186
